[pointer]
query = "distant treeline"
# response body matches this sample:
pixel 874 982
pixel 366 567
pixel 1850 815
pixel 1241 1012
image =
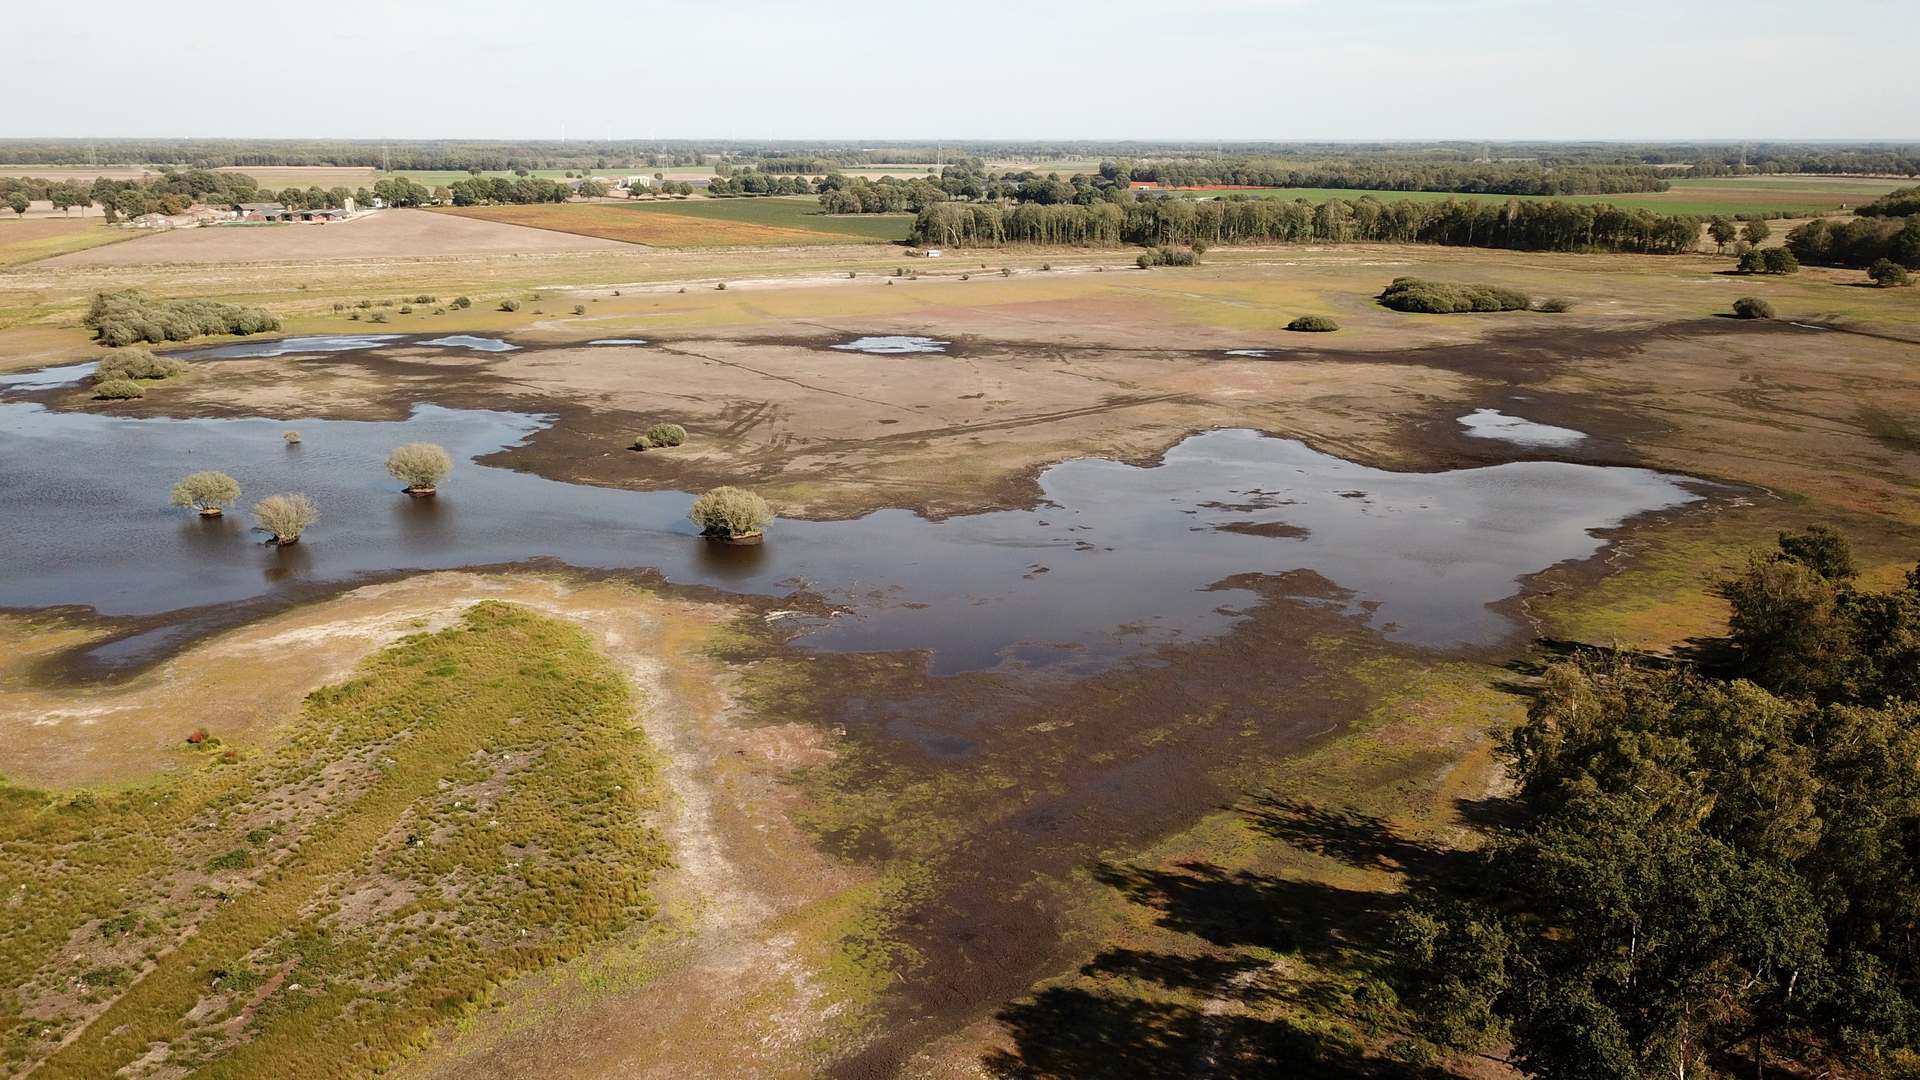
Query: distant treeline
pixel 1494 178
pixel 1530 226
pixel 786 156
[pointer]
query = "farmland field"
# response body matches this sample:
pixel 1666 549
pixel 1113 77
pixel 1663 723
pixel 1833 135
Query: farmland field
pixel 27 240
pixel 1782 196
pixel 705 223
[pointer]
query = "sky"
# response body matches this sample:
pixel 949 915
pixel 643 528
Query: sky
pixel 978 69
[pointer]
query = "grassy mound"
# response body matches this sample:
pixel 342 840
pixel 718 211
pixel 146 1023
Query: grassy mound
pixel 1451 297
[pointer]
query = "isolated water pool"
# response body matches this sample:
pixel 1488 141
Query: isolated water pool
pixel 1118 558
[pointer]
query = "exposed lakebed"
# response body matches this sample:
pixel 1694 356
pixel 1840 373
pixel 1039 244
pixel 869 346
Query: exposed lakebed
pixel 1116 559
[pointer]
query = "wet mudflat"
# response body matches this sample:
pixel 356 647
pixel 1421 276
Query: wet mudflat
pixel 1117 559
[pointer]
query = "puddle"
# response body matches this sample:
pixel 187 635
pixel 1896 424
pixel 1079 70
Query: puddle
pixel 619 341
pixel 284 346
pixel 51 378
pixel 886 345
pixel 477 344
pixel 1421 555
pixel 1258 353
pixel 1494 424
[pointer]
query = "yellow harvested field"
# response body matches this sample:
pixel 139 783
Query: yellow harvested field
pixel 397 234
pixel 636 226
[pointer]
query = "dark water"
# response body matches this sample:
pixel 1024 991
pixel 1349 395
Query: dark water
pixel 1118 559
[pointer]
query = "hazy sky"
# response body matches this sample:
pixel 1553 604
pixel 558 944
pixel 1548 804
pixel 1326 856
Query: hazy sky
pixel 1186 69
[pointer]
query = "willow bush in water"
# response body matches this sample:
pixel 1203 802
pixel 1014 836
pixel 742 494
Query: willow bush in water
pixel 208 492
pixel 286 516
pixel 731 511
pixel 420 465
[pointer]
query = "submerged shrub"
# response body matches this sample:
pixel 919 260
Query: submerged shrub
pixel 1313 324
pixel 420 465
pixel 131 316
pixel 206 492
pixel 119 390
pixel 1450 297
pixel 285 516
pixel 136 364
pixel 730 511
pixel 292 438
pixel 1752 307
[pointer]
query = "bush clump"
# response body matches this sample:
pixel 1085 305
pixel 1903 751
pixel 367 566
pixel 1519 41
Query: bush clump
pixel 119 390
pixel 208 493
pixel 131 316
pixel 1450 297
pixel 136 364
pixel 462 302
pixel 420 465
pixel 1889 274
pixel 286 516
pixel 661 435
pixel 1556 305
pixel 1752 307
pixel 1771 261
pixel 1313 324
pixel 1166 255
pixel 731 512
pixel 509 305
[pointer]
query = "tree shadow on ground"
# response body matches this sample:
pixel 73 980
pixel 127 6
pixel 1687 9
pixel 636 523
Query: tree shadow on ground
pixel 1220 1005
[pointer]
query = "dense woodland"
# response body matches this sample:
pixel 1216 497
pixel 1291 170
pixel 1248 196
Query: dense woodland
pixel 1496 178
pixel 1533 226
pixel 1714 867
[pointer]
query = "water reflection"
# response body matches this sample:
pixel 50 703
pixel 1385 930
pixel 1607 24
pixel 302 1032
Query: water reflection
pixel 1118 558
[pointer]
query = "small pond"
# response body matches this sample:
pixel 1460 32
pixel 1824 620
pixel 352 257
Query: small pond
pixel 891 344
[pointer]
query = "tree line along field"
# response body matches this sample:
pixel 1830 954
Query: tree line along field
pixel 1785 196
pixel 705 223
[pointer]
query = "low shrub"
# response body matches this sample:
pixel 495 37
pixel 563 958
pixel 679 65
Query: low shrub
pixel 424 299
pixel 1752 307
pixel 1313 324
pixel 119 390
pixel 730 511
pixel 378 316
pixel 1165 255
pixel 509 305
pixel 462 302
pixel 136 364
pixel 1555 305
pixel 666 435
pixel 406 309
pixel 130 316
pixel 579 309
pixel 1450 297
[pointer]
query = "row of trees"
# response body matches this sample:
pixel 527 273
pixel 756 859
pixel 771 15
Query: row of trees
pixel 1711 866
pixel 482 190
pixel 1526 225
pixel 163 193
pixel 1480 177
pixel 1860 241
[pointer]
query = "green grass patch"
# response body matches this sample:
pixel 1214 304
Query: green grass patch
pixel 787 212
pixel 412 844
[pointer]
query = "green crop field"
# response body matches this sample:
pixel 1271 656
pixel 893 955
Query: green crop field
pixel 787 212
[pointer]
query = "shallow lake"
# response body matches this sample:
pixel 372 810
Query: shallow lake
pixel 1116 559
